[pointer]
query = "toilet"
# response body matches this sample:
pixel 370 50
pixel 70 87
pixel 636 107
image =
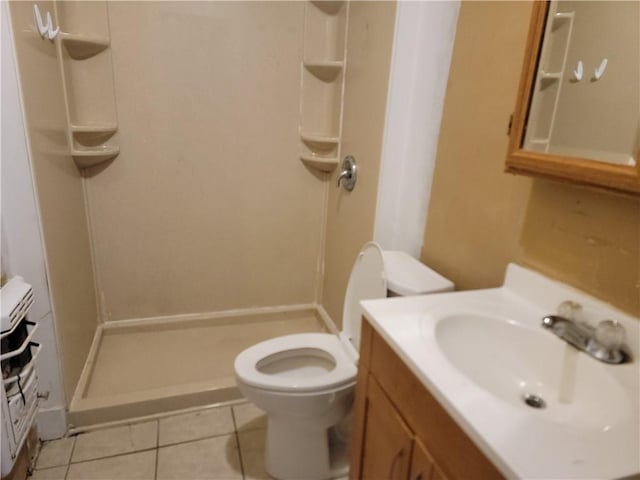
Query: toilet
pixel 305 382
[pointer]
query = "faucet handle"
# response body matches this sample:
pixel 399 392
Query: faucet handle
pixel 610 334
pixel 569 310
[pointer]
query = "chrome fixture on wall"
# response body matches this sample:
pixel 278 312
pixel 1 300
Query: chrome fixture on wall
pixel 349 173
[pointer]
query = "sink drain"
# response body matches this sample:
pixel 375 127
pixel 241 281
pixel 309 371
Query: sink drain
pixel 534 401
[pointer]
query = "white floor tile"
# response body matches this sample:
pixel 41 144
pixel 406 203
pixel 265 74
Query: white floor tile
pixel 135 466
pixel 55 453
pixel 252 444
pixel 249 417
pixel 197 425
pixel 211 458
pixel 115 441
pixel 54 473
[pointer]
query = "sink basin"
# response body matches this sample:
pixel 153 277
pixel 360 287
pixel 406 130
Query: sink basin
pixel 514 362
pixel 536 407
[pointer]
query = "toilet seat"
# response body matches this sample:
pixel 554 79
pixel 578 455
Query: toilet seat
pixel 290 346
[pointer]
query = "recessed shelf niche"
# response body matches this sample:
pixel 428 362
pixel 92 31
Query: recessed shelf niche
pixel 323 69
pixel 87 71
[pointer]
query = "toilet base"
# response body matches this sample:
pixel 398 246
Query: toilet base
pixel 298 452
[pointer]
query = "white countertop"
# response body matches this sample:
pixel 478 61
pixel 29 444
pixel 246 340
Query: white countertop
pixel 557 442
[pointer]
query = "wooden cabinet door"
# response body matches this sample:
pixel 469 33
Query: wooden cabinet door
pixel 387 441
pixel 437 474
pixel 422 467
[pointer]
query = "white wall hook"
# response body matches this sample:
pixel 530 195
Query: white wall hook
pixel 51 34
pixel 599 71
pixel 43 28
pixel 578 72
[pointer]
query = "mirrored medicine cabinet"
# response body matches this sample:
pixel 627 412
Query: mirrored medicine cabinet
pixel 577 116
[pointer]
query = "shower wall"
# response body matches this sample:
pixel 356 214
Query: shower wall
pixel 207 207
pixel 59 189
pixel 351 215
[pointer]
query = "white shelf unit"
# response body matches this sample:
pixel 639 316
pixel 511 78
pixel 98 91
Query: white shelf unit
pixel 323 73
pixel 85 63
pixel 548 85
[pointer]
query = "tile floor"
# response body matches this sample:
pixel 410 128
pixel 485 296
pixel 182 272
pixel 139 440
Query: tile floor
pixel 217 443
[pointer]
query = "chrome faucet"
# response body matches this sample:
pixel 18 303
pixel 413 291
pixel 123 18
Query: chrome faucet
pixel 604 342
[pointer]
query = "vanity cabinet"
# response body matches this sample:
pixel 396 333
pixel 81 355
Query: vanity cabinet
pixel 387 445
pixel 400 429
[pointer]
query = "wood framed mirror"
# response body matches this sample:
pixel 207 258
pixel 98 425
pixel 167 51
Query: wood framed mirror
pixel 577 115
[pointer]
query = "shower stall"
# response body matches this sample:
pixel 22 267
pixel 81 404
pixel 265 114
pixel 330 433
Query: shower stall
pixel 184 157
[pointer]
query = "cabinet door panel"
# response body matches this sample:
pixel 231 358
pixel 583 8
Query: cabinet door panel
pixel 452 450
pixel 421 463
pixel 437 474
pixel 387 440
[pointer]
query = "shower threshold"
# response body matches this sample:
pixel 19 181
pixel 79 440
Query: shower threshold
pixel 155 366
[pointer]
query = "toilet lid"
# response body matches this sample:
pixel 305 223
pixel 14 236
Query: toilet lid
pixel 279 364
pixel 367 281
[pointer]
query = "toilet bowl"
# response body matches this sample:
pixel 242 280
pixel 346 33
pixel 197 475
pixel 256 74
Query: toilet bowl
pixel 305 382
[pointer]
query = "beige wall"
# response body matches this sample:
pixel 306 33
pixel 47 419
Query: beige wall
pixel 60 193
pixel 208 206
pixel 351 215
pixel 481 218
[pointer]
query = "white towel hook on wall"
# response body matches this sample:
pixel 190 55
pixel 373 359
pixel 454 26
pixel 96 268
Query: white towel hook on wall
pixel 599 71
pixel 579 70
pixel 51 33
pixel 43 28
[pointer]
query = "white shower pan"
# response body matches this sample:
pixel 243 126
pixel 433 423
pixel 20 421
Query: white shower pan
pixel 148 367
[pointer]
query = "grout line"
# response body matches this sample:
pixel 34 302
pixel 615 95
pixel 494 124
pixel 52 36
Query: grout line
pixel 157 416
pixel 73 448
pixel 142 450
pixel 233 419
pixel 155 474
pixel 237 437
pixel 192 440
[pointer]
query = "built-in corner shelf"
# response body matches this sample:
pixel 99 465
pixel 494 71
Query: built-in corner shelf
pixel 326 71
pixel 547 78
pixel 321 95
pixel 83 46
pixel 328 6
pixel 90 158
pixel 550 75
pixel 92 135
pixel 320 142
pixel 560 17
pixel 85 62
pixel 97 128
pixel 324 164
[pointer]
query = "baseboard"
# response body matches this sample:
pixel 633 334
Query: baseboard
pixel 211 317
pixel 52 423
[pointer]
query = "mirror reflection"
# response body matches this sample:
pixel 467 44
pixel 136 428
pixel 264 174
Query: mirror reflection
pixel 586 96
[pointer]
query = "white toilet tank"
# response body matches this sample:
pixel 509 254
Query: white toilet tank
pixel 378 274
pixel 407 276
